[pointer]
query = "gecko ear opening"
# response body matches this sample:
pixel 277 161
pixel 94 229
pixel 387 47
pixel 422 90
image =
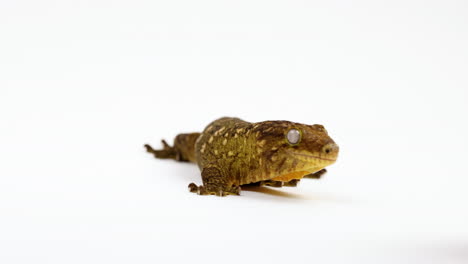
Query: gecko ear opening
pixel 293 136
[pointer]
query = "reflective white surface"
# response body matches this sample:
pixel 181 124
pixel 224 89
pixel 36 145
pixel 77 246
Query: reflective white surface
pixel 84 84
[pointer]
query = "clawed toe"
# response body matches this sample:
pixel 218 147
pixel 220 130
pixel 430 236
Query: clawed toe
pixel 200 190
pixel 272 183
pixel 148 148
pixel 193 187
pixel 316 175
pixel 291 183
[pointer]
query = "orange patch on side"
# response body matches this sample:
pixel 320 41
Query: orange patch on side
pixel 291 176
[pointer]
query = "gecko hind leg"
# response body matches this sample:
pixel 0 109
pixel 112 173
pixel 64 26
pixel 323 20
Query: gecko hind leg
pixel 167 152
pixel 214 183
pixel 183 149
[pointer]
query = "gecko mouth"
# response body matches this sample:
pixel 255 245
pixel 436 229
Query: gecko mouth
pixel 307 164
pixel 311 156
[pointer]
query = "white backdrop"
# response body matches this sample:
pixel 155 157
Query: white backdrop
pixel 84 84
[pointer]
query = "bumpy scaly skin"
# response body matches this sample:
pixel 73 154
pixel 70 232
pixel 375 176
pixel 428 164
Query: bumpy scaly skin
pixel 231 152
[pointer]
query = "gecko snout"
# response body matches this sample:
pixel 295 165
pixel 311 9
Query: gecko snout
pixel 330 149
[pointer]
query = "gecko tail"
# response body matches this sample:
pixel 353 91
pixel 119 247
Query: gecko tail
pixel 183 149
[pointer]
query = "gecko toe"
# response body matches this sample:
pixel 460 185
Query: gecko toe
pixel 193 187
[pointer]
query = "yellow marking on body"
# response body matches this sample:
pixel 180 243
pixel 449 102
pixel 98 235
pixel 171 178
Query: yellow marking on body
pixel 203 148
pixel 210 140
pixel 291 176
pixel 219 131
pixel 225 141
pixel 261 143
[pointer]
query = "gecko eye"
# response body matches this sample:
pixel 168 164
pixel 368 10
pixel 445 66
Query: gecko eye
pixel 293 136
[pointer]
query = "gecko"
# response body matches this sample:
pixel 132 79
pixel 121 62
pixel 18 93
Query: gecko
pixel 232 153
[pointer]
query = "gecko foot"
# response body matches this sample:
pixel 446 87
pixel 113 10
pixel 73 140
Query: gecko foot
pixel 292 183
pixel 167 152
pixel 277 184
pixel 202 190
pixel 316 175
pixel 271 183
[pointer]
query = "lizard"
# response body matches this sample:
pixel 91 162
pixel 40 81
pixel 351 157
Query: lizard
pixel 231 153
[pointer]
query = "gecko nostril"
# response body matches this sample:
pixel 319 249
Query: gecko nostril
pixel 329 148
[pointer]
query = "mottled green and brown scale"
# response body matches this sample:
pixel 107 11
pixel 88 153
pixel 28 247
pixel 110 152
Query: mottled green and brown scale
pixel 231 152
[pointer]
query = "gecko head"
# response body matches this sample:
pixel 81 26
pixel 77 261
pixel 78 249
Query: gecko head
pixel 289 147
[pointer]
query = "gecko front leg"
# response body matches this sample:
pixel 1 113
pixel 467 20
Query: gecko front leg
pixel 271 183
pixel 316 175
pixel 214 182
